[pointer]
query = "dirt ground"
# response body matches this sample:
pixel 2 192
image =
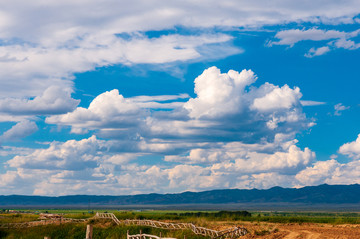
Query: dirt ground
pixel 303 231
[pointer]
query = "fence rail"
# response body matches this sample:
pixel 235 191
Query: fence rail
pixel 229 233
pixel 232 232
pixel 146 236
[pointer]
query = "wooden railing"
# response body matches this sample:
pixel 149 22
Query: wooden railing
pixel 145 236
pixel 229 233
pixel 232 232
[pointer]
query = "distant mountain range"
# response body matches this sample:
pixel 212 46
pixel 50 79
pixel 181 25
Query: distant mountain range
pixel 322 194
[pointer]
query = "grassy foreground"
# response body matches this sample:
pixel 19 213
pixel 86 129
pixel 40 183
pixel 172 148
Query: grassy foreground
pixel 77 231
pixel 108 229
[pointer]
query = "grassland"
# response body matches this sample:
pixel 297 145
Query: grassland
pixel 210 219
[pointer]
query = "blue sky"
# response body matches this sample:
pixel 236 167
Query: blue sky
pixel 125 98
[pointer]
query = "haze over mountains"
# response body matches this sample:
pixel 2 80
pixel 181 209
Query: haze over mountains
pixel 322 194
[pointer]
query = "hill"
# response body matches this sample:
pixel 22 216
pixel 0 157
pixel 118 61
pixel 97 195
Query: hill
pixel 322 194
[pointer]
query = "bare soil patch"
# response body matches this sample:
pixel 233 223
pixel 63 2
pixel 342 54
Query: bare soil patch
pixel 301 231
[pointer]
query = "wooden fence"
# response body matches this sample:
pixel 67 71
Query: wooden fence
pixel 228 233
pixel 231 233
pixel 145 236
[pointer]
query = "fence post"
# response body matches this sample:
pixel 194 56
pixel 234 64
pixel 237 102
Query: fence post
pixel 46 237
pixel 89 231
pixel 127 234
pixel 160 235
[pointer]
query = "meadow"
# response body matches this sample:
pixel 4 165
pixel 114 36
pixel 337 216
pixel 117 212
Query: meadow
pixel 260 223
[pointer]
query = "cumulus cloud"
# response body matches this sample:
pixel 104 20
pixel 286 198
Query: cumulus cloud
pixel 277 98
pixel 231 134
pixel 20 130
pixel 12 150
pixel 71 167
pixel 54 100
pixel 225 107
pixel 71 155
pixel 250 158
pixel 108 110
pixel 351 149
pixel 331 172
pixel 219 94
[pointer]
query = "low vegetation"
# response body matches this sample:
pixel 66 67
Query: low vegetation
pixel 108 229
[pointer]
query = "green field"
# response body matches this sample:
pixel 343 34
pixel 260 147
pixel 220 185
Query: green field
pixel 108 229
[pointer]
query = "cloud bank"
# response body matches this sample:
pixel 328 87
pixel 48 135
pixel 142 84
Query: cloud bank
pixel 232 134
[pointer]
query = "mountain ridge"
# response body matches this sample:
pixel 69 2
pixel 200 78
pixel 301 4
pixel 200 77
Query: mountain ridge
pixel 325 194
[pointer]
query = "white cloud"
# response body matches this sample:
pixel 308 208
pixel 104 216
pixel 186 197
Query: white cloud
pixel 232 134
pixel 346 44
pixel 54 100
pixel 71 155
pixel 12 150
pixel 96 166
pixel 278 98
pixel 108 110
pixel 339 108
pixel 20 130
pixel 226 108
pixel 290 37
pixel 237 157
pixel 334 39
pixel 38 67
pixel 311 103
pixel 317 52
pixel 219 94
pixel 37 54
pixel 140 15
pixel 331 172
pixel 351 149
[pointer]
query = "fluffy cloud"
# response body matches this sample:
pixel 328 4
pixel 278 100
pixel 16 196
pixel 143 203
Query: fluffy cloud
pixel 20 130
pixel 108 110
pixel 54 100
pixel 225 107
pixel 277 98
pixel 75 165
pixel 351 149
pixel 231 134
pixel 71 155
pixel 248 159
pixel 219 94
pixel 331 172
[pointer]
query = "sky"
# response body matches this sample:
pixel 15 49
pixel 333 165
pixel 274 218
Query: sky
pixel 146 96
